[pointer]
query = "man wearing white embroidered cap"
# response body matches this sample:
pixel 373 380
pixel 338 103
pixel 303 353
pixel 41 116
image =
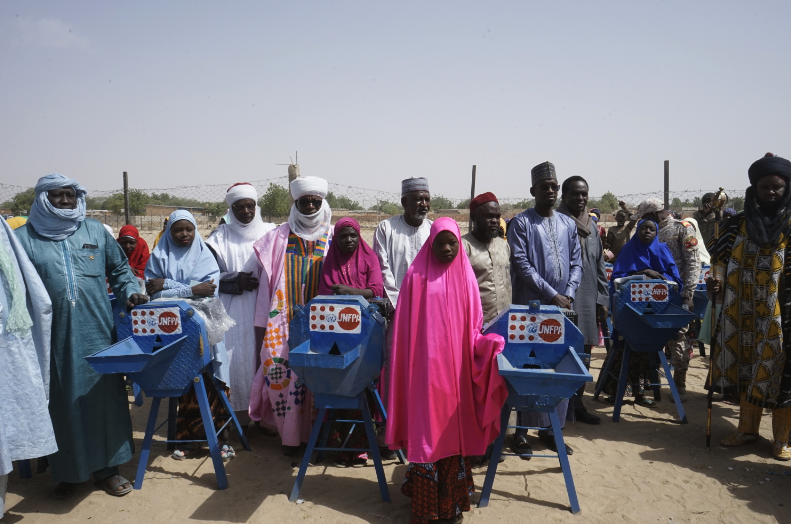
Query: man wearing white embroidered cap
pixel 291 257
pixel 232 244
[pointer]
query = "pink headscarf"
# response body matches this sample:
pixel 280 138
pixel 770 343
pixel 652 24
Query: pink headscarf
pixel 360 269
pixel 446 393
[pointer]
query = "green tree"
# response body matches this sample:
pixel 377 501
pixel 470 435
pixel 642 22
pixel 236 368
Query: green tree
pixel 215 209
pixel 137 202
pixel 737 203
pixel 440 202
pixel 276 202
pixel 464 204
pixel 525 204
pixel 342 202
pixel 21 202
pixel 95 202
pixel 608 203
pixel 387 208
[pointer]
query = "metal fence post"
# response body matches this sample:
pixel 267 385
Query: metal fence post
pixel 126 198
pixel 667 185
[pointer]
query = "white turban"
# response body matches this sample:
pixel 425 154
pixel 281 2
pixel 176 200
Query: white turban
pixel 309 185
pixel 310 227
pixel 239 191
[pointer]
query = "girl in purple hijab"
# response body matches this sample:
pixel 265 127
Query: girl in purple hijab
pixel 350 267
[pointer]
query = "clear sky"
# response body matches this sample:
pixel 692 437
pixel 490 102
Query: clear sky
pixel 370 92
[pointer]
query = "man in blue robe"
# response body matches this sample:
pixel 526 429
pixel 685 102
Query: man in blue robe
pixel 546 265
pixel 90 412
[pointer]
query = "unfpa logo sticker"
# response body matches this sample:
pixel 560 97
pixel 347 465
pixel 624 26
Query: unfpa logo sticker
pixel 536 328
pixel 335 318
pixel 156 321
pixel 651 292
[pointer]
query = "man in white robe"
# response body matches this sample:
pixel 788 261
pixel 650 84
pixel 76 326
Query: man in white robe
pixel 25 327
pixel 398 239
pixel 240 270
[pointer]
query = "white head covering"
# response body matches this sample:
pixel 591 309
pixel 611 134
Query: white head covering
pixel 705 258
pixel 109 229
pixel 310 227
pixel 256 228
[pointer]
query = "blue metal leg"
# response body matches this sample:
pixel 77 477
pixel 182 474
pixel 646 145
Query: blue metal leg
pixel 303 467
pixel 627 356
pixel 173 413
pixel 211 436
pixel 654 374
pixel 400 452
pixel 228 408
pixel 670 382
pixel 24 469
pixel 374 451
pixel 144 453
pixel 497 450
pixel 138 394
pixel 564 461
pixel 603 376
pixel 325 433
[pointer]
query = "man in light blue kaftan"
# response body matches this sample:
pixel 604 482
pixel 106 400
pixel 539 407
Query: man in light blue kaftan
pixel 546 265
pixel 90 412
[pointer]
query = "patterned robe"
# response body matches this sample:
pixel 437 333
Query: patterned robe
pixel 751 340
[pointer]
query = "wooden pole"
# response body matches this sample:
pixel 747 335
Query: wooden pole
pixel 126 199
pixel 472 192
pixel 667 185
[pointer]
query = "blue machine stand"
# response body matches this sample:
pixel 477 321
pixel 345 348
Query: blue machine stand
pixel 647 315
pixel 542 366
pixel 164 349
pixel 337 347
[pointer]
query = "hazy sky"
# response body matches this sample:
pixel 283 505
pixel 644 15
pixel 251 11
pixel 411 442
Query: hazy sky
pixel 183 93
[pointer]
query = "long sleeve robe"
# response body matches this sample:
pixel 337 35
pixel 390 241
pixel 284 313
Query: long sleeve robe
pixel 593 288
pixel 90 412
pixel 396 244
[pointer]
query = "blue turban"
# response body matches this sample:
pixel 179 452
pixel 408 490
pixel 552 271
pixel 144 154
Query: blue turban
pixel 49 221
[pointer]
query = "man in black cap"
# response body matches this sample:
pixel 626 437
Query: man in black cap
pixel 751 346
pixel 546 265
pixel 705 217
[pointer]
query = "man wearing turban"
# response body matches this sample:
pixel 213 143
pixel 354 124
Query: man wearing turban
pixel 240 271
pixel 291 257
pixel 751 345
pixel 90 414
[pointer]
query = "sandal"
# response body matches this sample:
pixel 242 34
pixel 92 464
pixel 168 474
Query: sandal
pixel 738 439
pixel 522 447
pixel 111 484
pixel 781 451
pixel 227 453
pixel 351 461
pixel 64 490
pixel 185 451
pixel 609 400
pixel 645 402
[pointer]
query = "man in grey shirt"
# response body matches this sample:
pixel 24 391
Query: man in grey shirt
pixel 489 255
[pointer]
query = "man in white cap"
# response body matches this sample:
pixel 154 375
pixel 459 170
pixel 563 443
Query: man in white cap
pixel 680 237
pixel 397 241
pixel 291 257
pixel 232 244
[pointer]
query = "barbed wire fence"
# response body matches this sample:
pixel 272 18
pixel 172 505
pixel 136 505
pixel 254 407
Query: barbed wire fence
pixel 149 207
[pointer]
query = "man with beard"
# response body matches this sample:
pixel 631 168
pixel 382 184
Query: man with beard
pixel 489 255
pixel 397 241
pixel 546 266
pixel 706 217
pixel 592 295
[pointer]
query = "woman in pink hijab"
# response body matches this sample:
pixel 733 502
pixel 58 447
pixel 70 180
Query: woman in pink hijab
pixel 350 268
pixel 446 392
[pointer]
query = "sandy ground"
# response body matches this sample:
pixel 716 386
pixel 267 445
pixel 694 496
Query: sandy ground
pixel 646 468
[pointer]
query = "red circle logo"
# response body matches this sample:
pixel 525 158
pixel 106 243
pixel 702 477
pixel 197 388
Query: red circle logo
pixel 659 293
pixel 348 319
pixel 550 330
pixel 168 322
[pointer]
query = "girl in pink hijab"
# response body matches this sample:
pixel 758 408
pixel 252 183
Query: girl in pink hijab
pixel 446 392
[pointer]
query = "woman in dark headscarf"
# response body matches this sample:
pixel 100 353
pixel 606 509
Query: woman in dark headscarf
pixel 642 255
pixel 751 346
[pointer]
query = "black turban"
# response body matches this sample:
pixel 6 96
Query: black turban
pixel 769 165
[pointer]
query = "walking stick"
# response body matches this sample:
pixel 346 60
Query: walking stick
pixel 719 200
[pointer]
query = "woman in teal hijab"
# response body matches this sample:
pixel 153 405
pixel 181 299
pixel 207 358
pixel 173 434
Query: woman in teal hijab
pixel 90 412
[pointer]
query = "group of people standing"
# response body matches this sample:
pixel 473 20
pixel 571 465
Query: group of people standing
pixel 440 380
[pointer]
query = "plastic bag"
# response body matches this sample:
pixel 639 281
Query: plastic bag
pixel 213 313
